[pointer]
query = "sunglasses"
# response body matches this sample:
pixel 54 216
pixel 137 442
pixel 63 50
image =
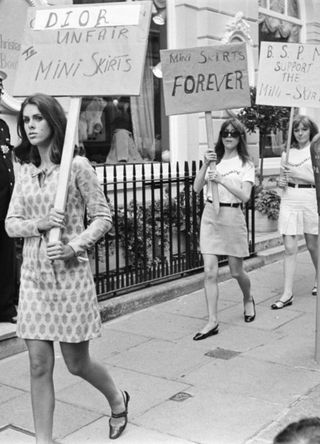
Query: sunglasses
pixel 233 134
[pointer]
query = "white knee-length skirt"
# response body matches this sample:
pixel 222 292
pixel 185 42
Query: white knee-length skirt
pixel 223 234
pixel 298 211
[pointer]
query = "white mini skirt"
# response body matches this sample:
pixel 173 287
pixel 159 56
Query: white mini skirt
pixel 298 211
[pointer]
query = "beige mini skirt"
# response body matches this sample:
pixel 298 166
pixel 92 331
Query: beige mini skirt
pixel 223 234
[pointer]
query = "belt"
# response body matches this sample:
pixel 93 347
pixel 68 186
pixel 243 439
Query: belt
pixel 227 204
pixel 300 185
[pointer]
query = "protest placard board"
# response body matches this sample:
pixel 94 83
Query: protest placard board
pixel 289 75
pixel 84 50
pixel 205 78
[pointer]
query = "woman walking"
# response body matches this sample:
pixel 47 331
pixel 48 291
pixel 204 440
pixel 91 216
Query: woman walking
pixel 226 233
pixel 298 208
pixel 57 294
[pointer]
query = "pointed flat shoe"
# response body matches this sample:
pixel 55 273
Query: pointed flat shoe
pixel 278 305
pixel 116 430
pixel 314 291
pixel 199 336
pixel 250 318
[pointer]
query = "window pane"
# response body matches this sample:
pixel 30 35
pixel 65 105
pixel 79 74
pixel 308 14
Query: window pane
pixel 293 9
pixel 277 5
pixel 263 3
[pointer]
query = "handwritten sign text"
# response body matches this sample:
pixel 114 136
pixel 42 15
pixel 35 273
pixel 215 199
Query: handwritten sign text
pixel 75 51
pixel 205 78
pixel 289 75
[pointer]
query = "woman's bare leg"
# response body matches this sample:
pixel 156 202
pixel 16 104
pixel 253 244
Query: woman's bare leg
pixel 238 273
pixel 312 245
pixel 41 357
pixel 211 290
pixel 79 363
pixel 289 265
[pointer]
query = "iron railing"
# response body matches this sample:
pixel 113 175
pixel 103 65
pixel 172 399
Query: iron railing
pixel 155 236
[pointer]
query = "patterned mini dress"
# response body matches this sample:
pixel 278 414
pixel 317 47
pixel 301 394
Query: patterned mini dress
pixel 57 300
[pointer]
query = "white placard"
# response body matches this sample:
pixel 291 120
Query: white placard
pixel 289 75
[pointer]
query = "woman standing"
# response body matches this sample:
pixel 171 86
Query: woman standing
pixel 226 233
pixel 298 208
pixel 57 293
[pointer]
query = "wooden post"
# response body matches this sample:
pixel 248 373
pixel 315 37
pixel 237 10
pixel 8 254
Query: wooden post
pixel 66 161
pixel 315 158
pixel 287 151
pixel 212 186
pixel 289 134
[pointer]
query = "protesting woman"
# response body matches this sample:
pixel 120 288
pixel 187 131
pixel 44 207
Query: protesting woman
pixel 57 294
pixel 225 233
pixel 298 208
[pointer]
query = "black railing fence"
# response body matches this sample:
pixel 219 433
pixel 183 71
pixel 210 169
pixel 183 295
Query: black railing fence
pixel 155 235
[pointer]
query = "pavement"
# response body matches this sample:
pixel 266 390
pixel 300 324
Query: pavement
pixel 239 387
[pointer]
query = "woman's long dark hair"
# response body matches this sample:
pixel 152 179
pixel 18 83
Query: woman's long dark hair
pixel 242 145
pixel 53 113
pixel 306 122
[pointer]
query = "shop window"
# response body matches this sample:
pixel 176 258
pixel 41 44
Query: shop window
pixel 130 129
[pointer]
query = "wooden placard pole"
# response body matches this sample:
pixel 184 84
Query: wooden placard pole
pixel 289 134
pixel 287 150
pixel 315 158
pixel 213 187
pixel 66 161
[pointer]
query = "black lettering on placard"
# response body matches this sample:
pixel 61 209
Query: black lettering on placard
pixel 102 64
pixel 208 82
pixel 29 52
pixel 57 69
pixel 78 36
pixel 62 20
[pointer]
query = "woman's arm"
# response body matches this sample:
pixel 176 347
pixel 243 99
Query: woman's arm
pixel 242 193
pixel 17 224
pixel 200 179
pixel 98 212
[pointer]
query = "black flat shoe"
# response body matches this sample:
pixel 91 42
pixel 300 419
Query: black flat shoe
pixel 12 320
pixel 250 318
pixel 116 430
pixel 278 305
pixel 212 332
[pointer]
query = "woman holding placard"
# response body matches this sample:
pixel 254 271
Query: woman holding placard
pixel 225 233
pixel 298 208
pixel 57 293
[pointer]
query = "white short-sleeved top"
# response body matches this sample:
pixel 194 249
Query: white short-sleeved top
pixel 236 172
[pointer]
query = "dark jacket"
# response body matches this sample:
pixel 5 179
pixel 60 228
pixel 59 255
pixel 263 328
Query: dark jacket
pixel 6 169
